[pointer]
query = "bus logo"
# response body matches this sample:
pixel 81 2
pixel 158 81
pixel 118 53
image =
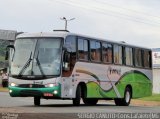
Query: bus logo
pixel 114 71
pixel 30 85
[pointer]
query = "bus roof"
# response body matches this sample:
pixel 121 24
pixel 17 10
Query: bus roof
pixel 65 33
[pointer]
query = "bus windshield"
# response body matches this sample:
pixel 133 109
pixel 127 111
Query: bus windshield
pixel 39 57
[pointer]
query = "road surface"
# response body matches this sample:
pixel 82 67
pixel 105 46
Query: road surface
pixel 25 105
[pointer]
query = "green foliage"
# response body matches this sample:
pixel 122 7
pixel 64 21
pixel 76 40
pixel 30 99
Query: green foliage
pixel 3 45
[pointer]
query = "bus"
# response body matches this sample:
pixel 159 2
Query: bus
pixel 64 65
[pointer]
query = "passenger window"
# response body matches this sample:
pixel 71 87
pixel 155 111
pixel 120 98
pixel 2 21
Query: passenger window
pixel 117 54
pixel 138 57
pixel 82 49
pixel 95 49
pixel 147 59
pixel 129 56
pixel 107 51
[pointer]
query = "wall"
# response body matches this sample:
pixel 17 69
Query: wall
pixel 156 81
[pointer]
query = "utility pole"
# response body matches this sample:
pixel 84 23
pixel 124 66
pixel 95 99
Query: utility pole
pixel 66 21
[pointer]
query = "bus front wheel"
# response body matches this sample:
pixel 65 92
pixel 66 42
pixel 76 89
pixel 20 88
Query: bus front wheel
pixel 77 99
pixel 126 100
pixel 37 101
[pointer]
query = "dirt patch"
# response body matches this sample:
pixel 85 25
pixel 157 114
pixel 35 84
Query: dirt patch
pixel 136 102
pixel 3 89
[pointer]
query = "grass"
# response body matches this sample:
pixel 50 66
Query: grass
pixel 154 97
pixel 2 58
pixel 3 89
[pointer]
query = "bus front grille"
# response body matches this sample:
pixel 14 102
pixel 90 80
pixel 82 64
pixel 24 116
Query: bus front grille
pixel 28 93
pixel 31 86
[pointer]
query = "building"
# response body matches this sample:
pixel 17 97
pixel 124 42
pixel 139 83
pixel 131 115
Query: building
pixel 156 70
pixel 8 35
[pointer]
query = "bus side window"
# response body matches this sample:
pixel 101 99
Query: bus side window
pixel 129 56
pixel 147 59
pixel 138 57
pixel 107 51
pixel 83 49
pixel 95 47
pixel 117 54
pixel 69 58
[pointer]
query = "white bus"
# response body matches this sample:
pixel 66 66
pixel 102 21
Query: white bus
pixel 63 65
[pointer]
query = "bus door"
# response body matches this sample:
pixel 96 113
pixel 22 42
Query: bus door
pixel 68 75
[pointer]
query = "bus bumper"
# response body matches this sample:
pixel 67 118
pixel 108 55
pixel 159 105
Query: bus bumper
pixel 50 92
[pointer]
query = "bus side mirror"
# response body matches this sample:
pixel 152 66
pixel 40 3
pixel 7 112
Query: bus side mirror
pixel 67 47
pixel 7 51
pixel 66 61
pixel 64 48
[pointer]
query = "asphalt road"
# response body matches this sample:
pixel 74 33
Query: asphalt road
pixel 25 105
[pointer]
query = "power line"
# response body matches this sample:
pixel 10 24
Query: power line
pixel 131 10
pixel 111 13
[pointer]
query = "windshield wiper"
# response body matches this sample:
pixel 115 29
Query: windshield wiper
pixel 39 65
pixel 25 66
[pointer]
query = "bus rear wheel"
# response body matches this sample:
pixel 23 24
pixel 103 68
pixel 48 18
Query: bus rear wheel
pixel 37 101
pixel 90 101
pixel 77 99
pixel 126 100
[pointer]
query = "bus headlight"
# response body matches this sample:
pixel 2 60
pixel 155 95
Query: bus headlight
pixel 10 91
pixel 55 92
pixel 50 85
pixel 13 84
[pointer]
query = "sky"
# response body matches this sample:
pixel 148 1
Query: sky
pixel 135 22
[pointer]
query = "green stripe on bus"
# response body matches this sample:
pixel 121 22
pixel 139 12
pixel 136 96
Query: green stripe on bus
pixel 141 86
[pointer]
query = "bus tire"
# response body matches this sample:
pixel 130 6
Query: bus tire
pixel 90 101
pixel 77 99
pixel 126 100
pixel 37 101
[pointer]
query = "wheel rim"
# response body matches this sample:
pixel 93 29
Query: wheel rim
pixel 127 97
